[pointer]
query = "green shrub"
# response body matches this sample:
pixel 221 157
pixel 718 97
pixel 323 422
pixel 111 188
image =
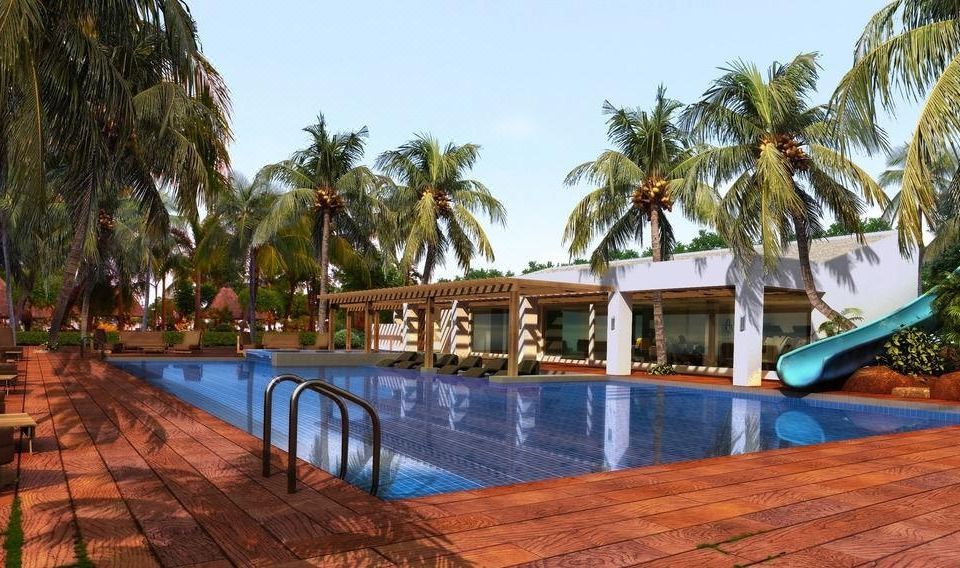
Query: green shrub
pixel 340 339
pixel 662 370
pixel 219 338
pixel 308 337
pixel 67 338
pixel 912 351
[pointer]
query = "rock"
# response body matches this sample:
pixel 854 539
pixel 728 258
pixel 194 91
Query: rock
pixel 946 387
pixel 880 380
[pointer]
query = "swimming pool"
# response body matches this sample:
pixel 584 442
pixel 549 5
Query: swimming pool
pixel 445 434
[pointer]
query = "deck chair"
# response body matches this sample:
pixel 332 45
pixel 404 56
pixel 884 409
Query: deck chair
pixel 525 367
pixel 495 365
pixel 391 361
pixel 6 343
pixel 454 368
pixel 445 359
pixel 414 363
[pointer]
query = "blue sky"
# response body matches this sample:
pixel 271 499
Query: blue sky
pixel 525 80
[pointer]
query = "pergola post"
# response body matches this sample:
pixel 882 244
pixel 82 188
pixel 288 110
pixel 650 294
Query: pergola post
pixel 513 333
pixel 349 330
pixel 331 326
pixel 367 336
pixel 376 331
pixel 428 334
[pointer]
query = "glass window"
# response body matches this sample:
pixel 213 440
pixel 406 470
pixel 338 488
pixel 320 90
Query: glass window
pixel 567 332
pixel 489 330
pixel 698 332
pixel 784 328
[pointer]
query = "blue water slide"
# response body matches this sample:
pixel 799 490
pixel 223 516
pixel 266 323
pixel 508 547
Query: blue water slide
pixel 837 357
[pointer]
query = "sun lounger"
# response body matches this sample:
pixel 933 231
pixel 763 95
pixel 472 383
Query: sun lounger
pixel 454 368
pixel 281 341
pixel 525 367
pixel 494 366
pixel 7 348
pixel 445 360
pixel 391 361
pixel 414 363
pixel 189 344
pixel 144 341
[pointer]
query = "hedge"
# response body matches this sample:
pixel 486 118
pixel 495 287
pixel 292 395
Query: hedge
pixel 210 338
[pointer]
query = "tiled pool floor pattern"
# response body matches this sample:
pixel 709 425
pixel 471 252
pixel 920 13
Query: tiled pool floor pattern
pixel 443 433
pixel 146 479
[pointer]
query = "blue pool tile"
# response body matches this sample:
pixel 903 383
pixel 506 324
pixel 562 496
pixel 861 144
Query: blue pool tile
pixel 444 434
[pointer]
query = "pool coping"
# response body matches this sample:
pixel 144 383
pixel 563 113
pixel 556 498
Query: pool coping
pixel 925 405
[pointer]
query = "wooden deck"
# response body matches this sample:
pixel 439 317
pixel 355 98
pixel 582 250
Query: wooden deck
pixel 147 480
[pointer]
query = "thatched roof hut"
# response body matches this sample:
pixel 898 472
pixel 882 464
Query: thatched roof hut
pixel 227 299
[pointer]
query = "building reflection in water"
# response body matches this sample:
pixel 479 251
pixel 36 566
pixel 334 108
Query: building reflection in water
pixel 744 426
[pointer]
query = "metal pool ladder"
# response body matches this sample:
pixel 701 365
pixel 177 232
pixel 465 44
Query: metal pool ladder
pixel 338 396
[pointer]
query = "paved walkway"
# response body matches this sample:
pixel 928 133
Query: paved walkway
pixel 147 480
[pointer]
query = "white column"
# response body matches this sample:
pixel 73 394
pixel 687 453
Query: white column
pixel 748 331
pixel 591 333
pixel 619 334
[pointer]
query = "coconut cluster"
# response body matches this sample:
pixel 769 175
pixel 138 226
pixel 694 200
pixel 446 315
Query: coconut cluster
pixel 106 220
pixel 329 199
pixel 441 198
pixel 652 193
pixel 789 147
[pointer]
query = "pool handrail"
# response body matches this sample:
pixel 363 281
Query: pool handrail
pixel 322 387
pixel 268 423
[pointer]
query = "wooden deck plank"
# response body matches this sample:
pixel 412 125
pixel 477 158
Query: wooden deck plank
pixel 130 452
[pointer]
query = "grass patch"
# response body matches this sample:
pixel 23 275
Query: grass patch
pixel 13 543
pixel 80 550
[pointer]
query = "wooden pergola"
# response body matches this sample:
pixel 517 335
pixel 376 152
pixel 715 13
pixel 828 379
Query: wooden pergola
pixel 471 292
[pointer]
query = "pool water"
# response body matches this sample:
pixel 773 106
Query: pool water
pixel 445 434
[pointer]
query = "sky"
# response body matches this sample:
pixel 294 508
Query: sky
pixel 523 79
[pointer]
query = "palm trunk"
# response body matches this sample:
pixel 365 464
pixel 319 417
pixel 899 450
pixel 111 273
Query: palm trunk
pixel 70 268
pixel 197 316
pixel 921 252
pixel 809 285
pixel 429 260
pixel 84 315
pixel 163 301
pixel 145 322
pixel 11 312
pixel 659 335
pixel 324 270
pixel 311 304
pixel 252 308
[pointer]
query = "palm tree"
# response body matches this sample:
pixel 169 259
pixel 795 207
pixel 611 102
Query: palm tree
pixel 635 188
pixel 783 161
pixel 328 186
pixel 435 205
pixel 201 247
pixel 242 208
pixel 118 96
pixel 943 172
pixel 909 48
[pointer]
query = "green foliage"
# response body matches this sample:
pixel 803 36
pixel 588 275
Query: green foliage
pixel 938 268
pixel 219 338
pixel 868 225
pixel 535 266
pixel 480 273
pixel 662 370
pixel 912 351
pixel 13 544
pixel 340 339
pixel 837 325
pixel 947 308
pixel 705 240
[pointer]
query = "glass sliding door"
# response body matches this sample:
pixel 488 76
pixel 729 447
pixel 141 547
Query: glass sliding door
pixel 489 330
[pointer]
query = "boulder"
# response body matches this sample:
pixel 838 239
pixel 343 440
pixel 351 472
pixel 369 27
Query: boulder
pixel 946 387
pixel 879 380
